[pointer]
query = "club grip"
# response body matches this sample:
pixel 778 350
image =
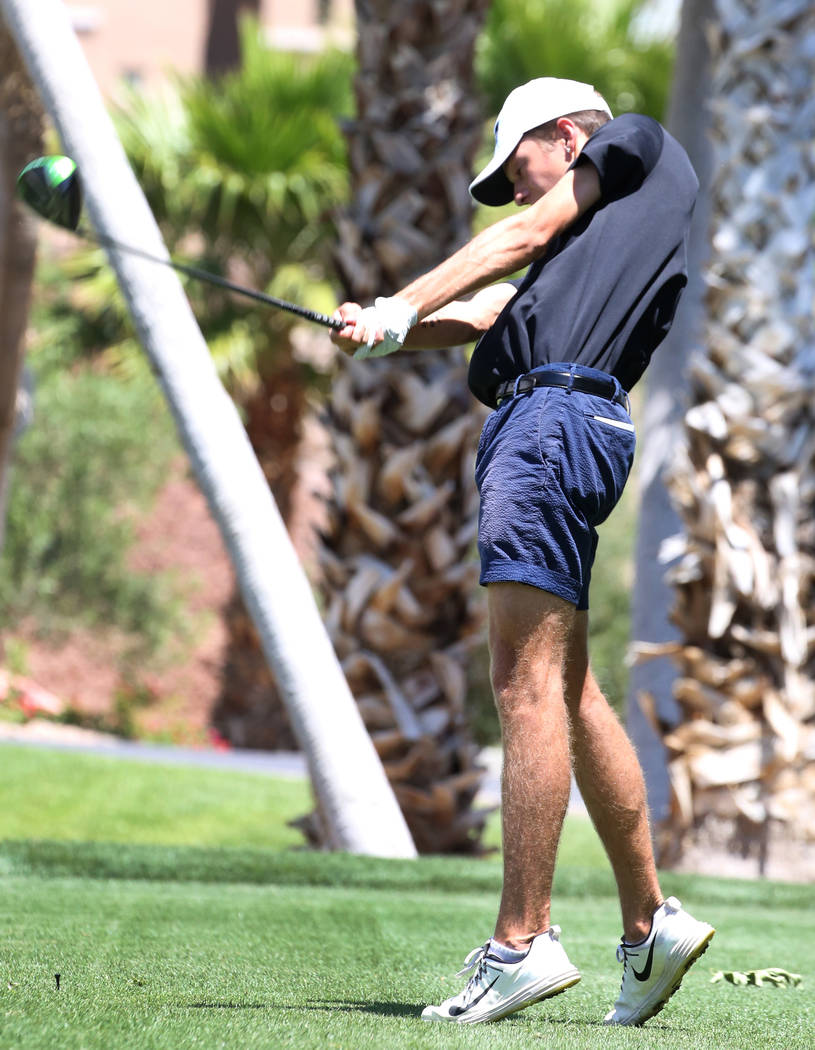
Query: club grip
pixel 323 319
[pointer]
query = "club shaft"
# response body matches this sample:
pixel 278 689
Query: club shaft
pixel 212 278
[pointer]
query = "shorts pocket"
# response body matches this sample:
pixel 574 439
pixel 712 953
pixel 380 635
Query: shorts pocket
pixel 600 456
pixel 619 424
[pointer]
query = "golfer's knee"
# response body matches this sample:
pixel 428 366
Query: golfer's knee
pixel 524 681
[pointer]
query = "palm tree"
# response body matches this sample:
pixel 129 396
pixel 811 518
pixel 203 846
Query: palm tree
pixel 356 802
pixel 651 704
pixel 21 130
pixel 399 569
pixel 741 756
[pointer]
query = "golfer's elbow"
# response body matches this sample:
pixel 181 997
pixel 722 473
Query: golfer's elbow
pixel 487 305
pixel 538 225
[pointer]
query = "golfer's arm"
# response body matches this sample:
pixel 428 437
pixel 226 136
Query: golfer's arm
pixel 508 245
pixel 460 322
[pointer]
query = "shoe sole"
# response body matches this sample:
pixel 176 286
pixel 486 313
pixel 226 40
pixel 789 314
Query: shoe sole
pixel 673 987
pixel 549 991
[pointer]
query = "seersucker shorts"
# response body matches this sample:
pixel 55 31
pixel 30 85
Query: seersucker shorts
pixel 550 467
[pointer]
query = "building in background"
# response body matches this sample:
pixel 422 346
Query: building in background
pixel 143 42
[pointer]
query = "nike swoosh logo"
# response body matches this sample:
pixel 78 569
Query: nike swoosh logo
pixel 457 1011
pixel 645 973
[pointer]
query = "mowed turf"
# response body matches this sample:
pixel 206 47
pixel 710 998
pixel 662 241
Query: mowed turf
pixel 175 946
pixel 73 796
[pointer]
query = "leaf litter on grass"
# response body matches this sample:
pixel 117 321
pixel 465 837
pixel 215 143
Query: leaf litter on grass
pixel 773 975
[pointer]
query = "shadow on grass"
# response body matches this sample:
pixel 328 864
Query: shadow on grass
pixel 343 1006
pixel 226 1006
pixel 389 1009
pixel 397 1009
pixel 392 1009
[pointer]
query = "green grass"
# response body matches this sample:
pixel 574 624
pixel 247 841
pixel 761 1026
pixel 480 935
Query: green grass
pixel 232 942
pixel 60 795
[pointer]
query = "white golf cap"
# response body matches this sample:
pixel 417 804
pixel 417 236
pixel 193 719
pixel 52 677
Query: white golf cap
pixel 527 107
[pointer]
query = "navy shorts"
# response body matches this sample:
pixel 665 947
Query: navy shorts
pixel 551 465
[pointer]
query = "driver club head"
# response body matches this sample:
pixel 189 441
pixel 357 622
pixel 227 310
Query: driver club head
pixel 52 188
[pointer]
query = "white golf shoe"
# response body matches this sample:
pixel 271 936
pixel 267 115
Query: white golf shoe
pixel 498 988
pixel 654 968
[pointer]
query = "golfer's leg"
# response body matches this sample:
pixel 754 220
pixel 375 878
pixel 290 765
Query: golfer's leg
pixel 610 779
pixel 529 631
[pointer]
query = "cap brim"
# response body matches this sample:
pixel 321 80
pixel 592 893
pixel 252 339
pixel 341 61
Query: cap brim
pixel 491 186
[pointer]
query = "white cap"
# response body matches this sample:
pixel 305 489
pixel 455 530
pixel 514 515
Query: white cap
pixel 527 107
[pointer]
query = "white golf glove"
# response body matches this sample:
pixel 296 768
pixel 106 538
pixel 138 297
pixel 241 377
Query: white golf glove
pixel 394 317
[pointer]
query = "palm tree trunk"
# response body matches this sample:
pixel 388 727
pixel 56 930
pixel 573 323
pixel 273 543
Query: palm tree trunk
pixel 21 130
pixel 347 775
pixel 399 565
pixel 742 755
pixel 651 704
pixel 250 711
pixel 223 51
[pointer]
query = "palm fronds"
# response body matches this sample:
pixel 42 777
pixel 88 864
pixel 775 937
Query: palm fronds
pixel 580 40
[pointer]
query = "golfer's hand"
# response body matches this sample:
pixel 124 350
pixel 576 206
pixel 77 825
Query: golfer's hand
pixel 355 333
pixel 377 330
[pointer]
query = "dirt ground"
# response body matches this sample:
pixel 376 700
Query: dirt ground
pixel 181 536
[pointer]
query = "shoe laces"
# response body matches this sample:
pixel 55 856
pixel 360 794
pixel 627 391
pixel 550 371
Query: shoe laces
pixel 476 961
pixel 473 960
pixel 622 956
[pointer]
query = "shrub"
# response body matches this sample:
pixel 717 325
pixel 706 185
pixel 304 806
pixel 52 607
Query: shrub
pixel 96 451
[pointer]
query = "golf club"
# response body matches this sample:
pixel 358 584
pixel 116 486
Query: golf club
pixel 52 188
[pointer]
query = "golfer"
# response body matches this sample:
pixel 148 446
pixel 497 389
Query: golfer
pixel 604 235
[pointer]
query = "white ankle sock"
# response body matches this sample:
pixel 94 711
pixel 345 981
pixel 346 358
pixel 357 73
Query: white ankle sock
pixel 505 953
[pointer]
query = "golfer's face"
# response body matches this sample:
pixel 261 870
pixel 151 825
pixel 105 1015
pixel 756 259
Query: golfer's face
pixel 534 168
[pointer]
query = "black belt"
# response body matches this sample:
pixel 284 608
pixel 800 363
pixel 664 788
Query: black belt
pixel 571 380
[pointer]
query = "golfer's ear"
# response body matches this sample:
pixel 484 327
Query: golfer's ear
pixel 567 131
